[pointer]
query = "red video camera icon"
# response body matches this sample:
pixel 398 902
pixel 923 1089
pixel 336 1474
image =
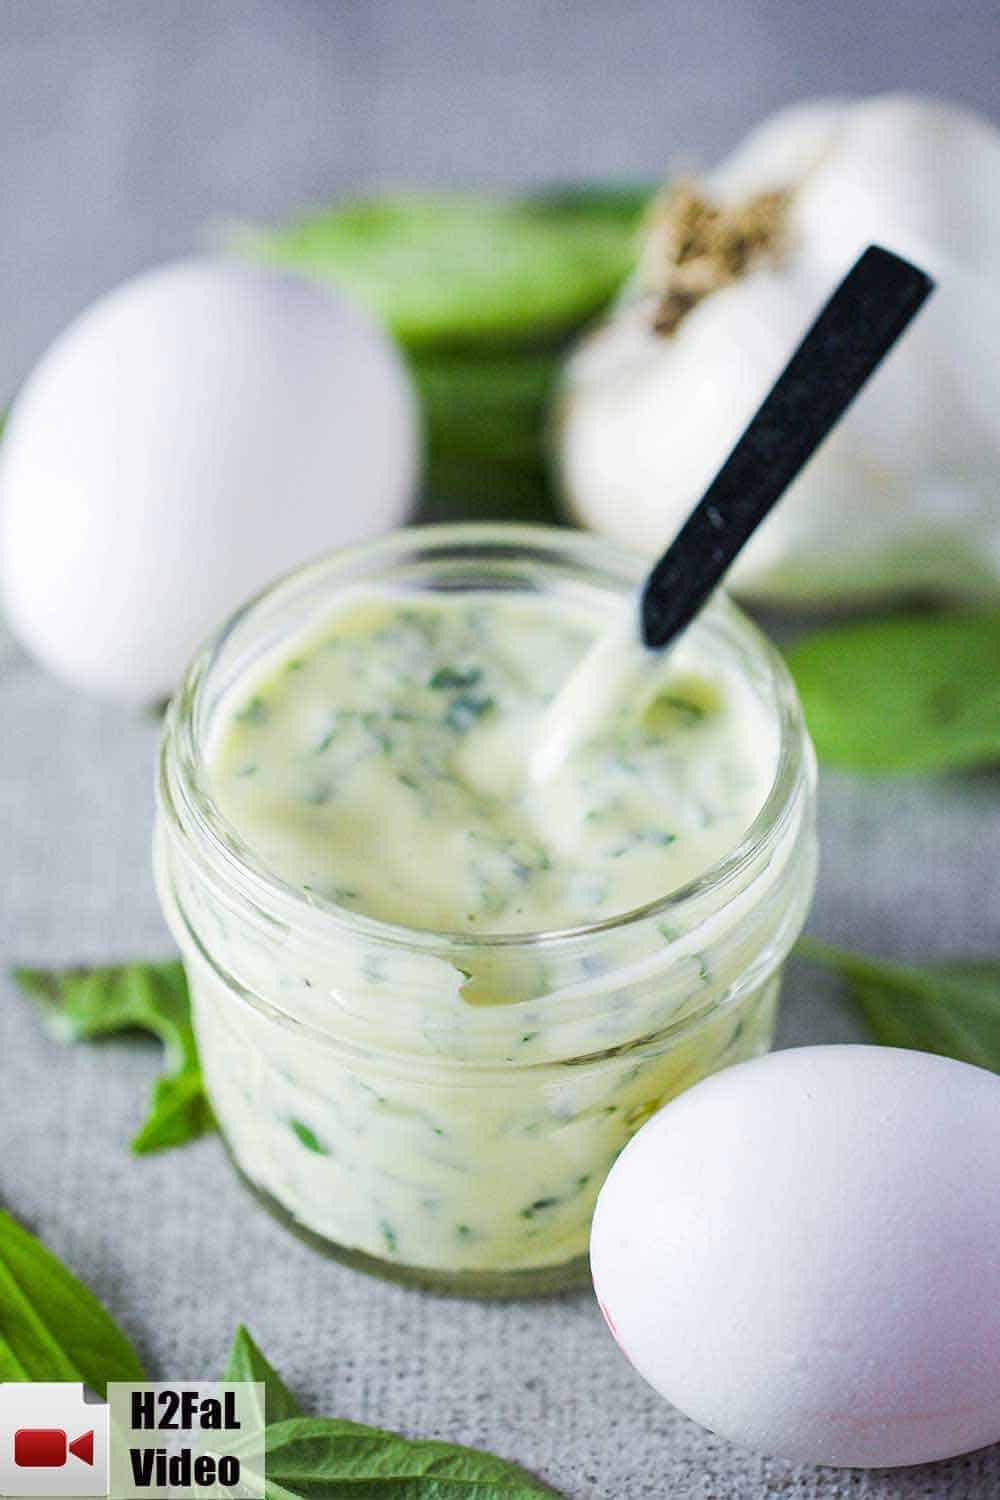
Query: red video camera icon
pixel 48 1448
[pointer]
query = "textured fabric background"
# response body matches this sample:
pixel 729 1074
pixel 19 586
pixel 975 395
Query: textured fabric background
pixel 124 129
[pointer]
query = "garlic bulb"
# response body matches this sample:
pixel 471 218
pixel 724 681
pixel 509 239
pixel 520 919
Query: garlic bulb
pixel 906 492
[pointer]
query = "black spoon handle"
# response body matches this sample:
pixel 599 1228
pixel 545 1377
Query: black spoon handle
pixel 857 327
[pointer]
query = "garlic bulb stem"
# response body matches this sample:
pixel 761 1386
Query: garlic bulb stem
pixel 700 246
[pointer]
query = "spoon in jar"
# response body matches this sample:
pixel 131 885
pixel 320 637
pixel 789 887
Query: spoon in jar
pixel 851 335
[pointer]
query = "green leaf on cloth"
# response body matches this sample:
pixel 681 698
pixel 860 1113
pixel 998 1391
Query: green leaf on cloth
pixel 246 1362
pixel 83 1004
pixel 319 1458
pixel 51 1326
pixel 913 693
pixel 460 268
pixel 952 1008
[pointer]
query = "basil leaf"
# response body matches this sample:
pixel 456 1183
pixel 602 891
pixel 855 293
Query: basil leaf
pixel 952 1008
pixel 915 693
pixel 446 268
pixel 318 1458
pixel 179 1111
pixel 51 1327
pixel 493 410
pixel 314 1457
pixel 487 427
pixel 82 1004
pixel 476 490
pixel 246 1362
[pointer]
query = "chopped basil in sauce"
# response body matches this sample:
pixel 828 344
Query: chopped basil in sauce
pixel 381 764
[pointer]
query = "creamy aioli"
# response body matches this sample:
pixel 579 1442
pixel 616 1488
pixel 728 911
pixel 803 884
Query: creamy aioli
pixel 388 764
pixel 438 1095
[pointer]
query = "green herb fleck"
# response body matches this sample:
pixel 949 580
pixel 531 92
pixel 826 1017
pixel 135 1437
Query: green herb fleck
pixel 538 1207
pixel 256 712
pixel 692 712
pixel 464 710
pixel 389 1236
pixel 309 1138
pixel 449 679
pixel 374 727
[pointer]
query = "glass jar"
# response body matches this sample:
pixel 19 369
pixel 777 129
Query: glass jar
pixel 365 1091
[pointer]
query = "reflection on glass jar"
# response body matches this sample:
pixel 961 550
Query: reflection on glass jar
pixel 443 1108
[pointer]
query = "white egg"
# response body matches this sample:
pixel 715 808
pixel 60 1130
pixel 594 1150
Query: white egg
pixel 803 1254
pixel 193 434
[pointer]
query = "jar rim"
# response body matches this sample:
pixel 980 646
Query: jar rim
pixel 184 788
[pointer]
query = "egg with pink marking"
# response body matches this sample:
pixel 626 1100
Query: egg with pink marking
pixel 802 1253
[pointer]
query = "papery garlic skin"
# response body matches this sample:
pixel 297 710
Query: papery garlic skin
pixel 906 493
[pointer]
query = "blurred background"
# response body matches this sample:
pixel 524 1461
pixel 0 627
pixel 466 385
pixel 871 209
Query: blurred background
pixel 129 127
